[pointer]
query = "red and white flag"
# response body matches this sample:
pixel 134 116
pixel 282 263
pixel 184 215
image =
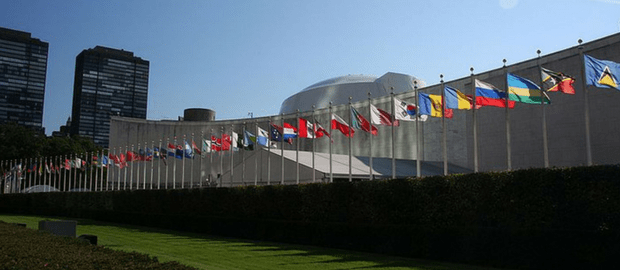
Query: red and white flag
pixel 306 128
pixel 381 117
pixel 339 124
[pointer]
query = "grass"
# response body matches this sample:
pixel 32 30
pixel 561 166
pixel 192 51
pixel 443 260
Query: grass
pixel 211 252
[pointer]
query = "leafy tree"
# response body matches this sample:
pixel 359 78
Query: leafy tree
pixel 18 142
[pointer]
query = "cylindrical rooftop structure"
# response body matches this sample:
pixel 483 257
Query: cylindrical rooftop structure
pixel 198 114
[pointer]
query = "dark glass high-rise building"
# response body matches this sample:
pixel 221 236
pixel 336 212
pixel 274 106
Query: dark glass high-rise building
pixel 23 67
pixel 107 82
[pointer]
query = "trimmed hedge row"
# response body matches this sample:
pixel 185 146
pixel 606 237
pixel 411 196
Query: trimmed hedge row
pixel 23 248
pixel 534 218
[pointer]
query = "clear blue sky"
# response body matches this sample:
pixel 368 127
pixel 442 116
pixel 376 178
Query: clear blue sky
pixel 240 56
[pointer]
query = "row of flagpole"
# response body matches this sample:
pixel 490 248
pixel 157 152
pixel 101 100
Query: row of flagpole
pixel 349 133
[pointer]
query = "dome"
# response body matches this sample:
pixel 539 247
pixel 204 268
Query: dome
pixel 338 90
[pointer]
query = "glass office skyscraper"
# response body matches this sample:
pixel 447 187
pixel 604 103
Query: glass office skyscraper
pixel 107 82
pixel 23 67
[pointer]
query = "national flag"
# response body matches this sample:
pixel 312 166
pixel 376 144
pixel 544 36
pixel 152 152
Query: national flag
pixel 489 95
pixel 141 155
pixel 359 121
pixel 196 149
pixel 226 142
pixel 206 146
pixel 523 90
pixel 306 128
pixel 262 137
pixel 288 133
pixel 104 161
pixel 339 124
pixel 122 161
pixel 131 156
pixel 149 154
pixel 171 149
pixel 216 144
pixel 235 140
pixel 178 152
pixel 602 73
pixel 557 81
pixel 455 99
pixel 320 131
pixel 248 138
pixel 188 151
pixel 47 168
pixel 381 117
pixel 406 112
pixel 156 152
pixel 431 105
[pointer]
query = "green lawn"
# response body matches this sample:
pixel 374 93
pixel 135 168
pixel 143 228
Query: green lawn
pixel 211 252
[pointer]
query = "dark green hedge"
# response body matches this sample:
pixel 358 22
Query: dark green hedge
pixel 536 218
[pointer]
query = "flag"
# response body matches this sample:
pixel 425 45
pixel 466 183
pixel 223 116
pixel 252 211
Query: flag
pixel 320 131
pixel 149 154
pixel 276 134
pixel 216 144
pixel 557 81
pixel 306 128
pixel 456 100
pixel 431 105
pixel 196 149
pixel 206 146
pixel 226 142
pixel 262 137
pixel 104 161
pixel 171 149
pixel 288 133
pixel 235 141
pixel 339 124
pixel 381 117
pixel 178 152
pixel 131 156
pixel 249 140
pixel 523 90
pixel 156 152
pixel 406 112
pixel 489 95
pixel 188 153
pixel 47 168
pixel 601 73
pixel 359 121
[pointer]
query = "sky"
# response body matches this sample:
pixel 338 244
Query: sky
pixel 248 56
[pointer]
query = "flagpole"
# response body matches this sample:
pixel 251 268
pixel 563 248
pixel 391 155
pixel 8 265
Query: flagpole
pixel 30 178
pixel 586 108
pixel 232 168
pixel 443 126
pixel 126 164
pixel 370 176
pixel 82 182
pixel 67 176
pixel 210 156
pixel 138 166
pixel 183 162
pixel 392 130
pixel 159 165
pixel 256 151
pixel 203 151
pixel 313 144
pixel 210 170
pixel 544 117
pixel 152 161
pixel 418 161
pixel 297 150
pixel 167 156
pixel 92 171
pixel 191 173
pixel 350 128
pixel 221 154
pixel 243 155
pixel 75 177
pixel 144 165
pixel 475 123
pixel 282 149
pixel 508 150
pixel 331 131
